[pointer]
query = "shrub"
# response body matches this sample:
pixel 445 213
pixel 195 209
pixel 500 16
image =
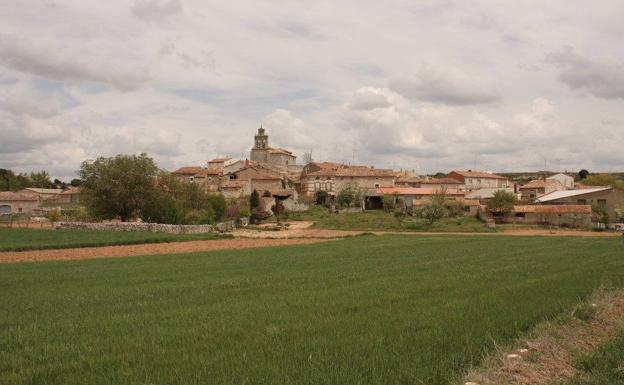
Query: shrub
pixel 163 208
pixel 389 202
pixel 601 212
pixel 200 217
pixel 243 212
pixel 454 208
pixel 54 215
pixel 218 205
pixel 433 212
pixel 254 199
pixel 320 197
pixel 350 195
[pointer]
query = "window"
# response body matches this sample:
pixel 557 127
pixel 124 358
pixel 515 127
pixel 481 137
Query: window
pixel 602 202
pixel 581 202
pixel 376 185
pixel 520 215
pixel 317 186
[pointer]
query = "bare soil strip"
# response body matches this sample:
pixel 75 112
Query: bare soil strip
pixel 547 356
pixel 301 229
pixel 147 249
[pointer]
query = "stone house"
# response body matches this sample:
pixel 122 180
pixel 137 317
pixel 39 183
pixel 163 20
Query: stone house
pixel 539 187
pixel 220 163
pixel 254 177
pixel 412 195
pixel 611 197
pixel 18 202
pixel 555 215
pixel 448 184
pixel 475 180
pixel 566 180
pixel 207 178
pixel 333 177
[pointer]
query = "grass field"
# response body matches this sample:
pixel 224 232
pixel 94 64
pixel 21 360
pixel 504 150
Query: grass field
pixel 362 310
pixel 384 221
pixel 20 239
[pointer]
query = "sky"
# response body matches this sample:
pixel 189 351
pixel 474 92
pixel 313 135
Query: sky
pixel 427 86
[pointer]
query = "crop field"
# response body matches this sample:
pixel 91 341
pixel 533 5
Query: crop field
pixel 363 310
pixel 20 239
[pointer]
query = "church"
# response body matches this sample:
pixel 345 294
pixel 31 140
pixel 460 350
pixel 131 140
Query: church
pixel 264 154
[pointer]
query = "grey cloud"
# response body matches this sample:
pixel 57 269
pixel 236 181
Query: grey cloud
pixel 601 79
pixel 368 100
pixel 448 87
pixel 53 61
pixel 155 10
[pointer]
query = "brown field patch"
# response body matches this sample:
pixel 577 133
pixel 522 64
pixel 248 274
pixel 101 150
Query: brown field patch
pixel 147 249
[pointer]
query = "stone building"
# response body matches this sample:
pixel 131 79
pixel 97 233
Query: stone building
pixel 610 197
pixel 475 180
pixel 263 153
pixel 333 177
pixel 539 187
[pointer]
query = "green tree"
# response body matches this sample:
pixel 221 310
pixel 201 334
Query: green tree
pixel 603 180
pixel 583 174
pixel 601 212
pixel 119 186
pixel 218 204
pixel 389 201
pixel 439 197
pixel 9 181
pixel 254 199
pixel 41 179
pixel 162 208
pixel 502 202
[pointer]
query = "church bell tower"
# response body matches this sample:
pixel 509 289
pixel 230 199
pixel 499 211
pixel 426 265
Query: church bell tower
pixel 262 139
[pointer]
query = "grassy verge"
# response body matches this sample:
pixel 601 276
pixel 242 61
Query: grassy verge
pixel 604 367
pixel 21 239
pixel 363 310
pixel 384 221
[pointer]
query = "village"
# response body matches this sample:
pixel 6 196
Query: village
pixel 273 173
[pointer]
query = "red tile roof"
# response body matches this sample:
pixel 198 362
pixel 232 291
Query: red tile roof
pixel 540 183
pixel 441 181
pixel 219 160
pixel 353 171
pixel 416 191
pixel 17 196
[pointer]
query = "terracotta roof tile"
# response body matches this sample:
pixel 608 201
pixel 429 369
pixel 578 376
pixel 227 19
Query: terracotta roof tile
pixel 477 174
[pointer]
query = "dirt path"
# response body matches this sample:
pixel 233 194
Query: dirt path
pixel 302 230
pixel 147 249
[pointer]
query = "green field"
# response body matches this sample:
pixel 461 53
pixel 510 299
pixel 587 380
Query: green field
pixel 384 221
pixel 362 310
pixel 20 239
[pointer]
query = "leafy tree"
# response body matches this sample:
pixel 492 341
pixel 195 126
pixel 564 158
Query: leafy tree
pixel 41 179
pixel 583 174
pixel 603 180
pixel 119 186
pixel 502 202
pixel 9 181
pixel 75 182
pixel 433 212
pixel 254 199
pixel 601 212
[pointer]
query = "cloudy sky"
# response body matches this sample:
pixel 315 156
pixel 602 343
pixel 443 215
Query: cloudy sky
pixel 423 85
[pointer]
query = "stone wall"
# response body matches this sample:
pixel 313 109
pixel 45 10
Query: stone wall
pixel 153 227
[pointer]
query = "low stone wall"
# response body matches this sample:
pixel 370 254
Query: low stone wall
pixel 153 227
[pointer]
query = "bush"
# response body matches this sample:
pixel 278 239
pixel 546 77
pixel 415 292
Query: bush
pixel 320 197
pixel 218 205
pixel 54 215
pixel 244 212
pixel 258 215
pixel 200 217
pixel 454 208
pixel 389 202
pixel 163 208
pixel 350 195
pixel 433 212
